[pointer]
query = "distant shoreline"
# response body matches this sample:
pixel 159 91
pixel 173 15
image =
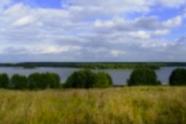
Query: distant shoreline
pixel 95 65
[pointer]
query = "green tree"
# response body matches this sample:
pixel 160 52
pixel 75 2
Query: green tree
pixel 19 82
pixel 144 76
pixel 34 81
pixel 81 79
pixel 52 80
pixel 178 77
pixel 43 80
pixel 4 81
pixel 88 79
pixel 103 80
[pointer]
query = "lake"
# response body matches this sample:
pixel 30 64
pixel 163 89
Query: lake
pixel 119 76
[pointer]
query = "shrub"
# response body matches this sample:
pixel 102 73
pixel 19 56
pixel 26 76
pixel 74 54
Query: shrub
pixel 19 82
pixel 103 80
pixel 143 76
pixel 43 81
pixel 178 77
pixel 4 81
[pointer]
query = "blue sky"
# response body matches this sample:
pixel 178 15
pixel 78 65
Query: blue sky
pixel 86 30
pixel 41 3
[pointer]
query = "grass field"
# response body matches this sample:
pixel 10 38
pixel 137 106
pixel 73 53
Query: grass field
pixel 137 105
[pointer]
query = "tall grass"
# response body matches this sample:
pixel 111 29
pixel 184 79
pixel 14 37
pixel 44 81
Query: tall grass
pixel 137 105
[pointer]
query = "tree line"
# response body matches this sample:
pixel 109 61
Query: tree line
pixel 36 81
pixel 87 79
pixel 33 81
pixel 88 65
pixel 96 65
pixel 146 76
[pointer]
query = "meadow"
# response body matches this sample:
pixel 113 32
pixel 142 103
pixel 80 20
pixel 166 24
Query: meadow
pixel 128 105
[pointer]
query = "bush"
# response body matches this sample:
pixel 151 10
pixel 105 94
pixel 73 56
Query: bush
pixel 88 79
pixel 19 82
pixel 43 81
pixel 178 77
pixel 143 77
pixel 103 80
pixel 4 81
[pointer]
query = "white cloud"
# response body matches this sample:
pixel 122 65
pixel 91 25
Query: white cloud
pixel 24 21
pixel 174 22
pixel 90 30
pixel 55 49
pixel 161 32
pixel 112 6
pixel 170 3
pixel 41 49
pixel 16 10
pixel 140 34
pixel 117 53
pixel 4 3
pixel 118 7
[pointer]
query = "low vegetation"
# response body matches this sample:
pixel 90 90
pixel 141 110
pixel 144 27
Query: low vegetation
pixel 129 105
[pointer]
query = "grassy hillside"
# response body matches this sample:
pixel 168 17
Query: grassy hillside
pixel 138 105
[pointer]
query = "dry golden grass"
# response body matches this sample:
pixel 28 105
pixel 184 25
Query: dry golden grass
pixel 137 105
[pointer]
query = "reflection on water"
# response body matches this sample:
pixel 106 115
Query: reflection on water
pixel 119 76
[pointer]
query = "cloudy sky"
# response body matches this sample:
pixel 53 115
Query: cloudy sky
pixel 92 30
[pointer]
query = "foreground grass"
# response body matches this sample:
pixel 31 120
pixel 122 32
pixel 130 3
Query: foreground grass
pixel 138 105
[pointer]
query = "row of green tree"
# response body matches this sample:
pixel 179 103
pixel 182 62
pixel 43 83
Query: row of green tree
pixel 139 77
pixel 147 76
pixel 79 79
pixel 87 79
pixel 33 81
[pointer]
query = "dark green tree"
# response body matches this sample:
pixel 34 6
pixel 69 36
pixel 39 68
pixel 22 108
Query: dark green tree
pixel 4 81
pixel 88 79
pixel 35 81
pixel 52 80
pixel 178 77
pixel 144 76
pixel 19 82
pixel 43 81
pixel 81 79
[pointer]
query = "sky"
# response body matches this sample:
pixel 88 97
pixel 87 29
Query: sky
pixel 92 30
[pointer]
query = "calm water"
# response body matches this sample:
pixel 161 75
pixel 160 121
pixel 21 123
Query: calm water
pixel 118 76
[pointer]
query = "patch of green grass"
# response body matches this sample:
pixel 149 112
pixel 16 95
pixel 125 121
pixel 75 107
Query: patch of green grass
pixel 136 105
